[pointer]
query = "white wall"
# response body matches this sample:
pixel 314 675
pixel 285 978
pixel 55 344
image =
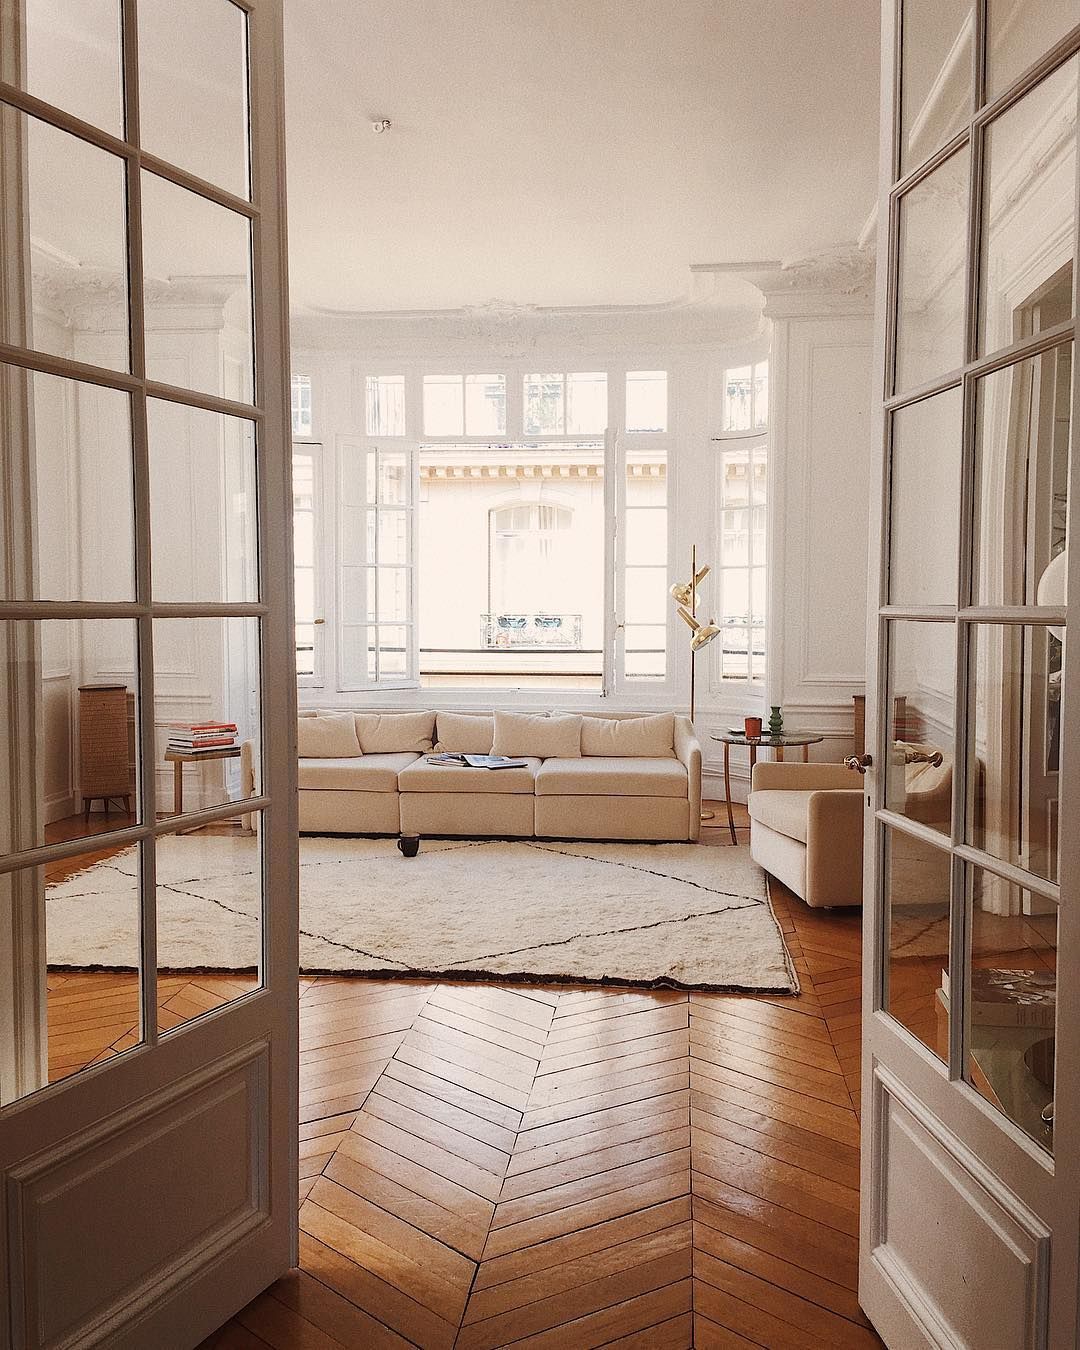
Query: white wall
pixel 818 529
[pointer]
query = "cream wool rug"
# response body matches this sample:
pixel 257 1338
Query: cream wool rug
pixel 652 914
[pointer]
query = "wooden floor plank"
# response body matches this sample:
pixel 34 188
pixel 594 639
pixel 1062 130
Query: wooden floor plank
pixel 552 1168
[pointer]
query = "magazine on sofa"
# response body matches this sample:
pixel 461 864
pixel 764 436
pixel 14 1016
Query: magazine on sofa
pixel 478 761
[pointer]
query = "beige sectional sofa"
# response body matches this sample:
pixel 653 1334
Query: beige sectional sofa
pixel 597 776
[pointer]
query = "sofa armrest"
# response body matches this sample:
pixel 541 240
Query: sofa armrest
pixel 834 846
pixel 688 751
pixel 801 777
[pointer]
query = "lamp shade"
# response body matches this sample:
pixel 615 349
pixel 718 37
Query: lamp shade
pixel 1054 581
pixel 1053 586
pixel 682 593
pixel 703 635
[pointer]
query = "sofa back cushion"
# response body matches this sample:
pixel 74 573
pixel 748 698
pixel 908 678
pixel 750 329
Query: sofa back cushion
pixel 554 736
pixel 465 733
pixel 391 733
pixel 327 736
pixel 629 737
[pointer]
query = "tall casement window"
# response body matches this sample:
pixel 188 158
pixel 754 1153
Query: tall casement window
pixel 303 405
pixel 741 475
pixel 307 570
pixel 488 529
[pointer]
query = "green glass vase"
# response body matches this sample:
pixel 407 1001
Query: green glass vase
pixel 776 721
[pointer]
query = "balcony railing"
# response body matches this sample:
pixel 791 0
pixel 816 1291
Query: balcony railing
pixel 539 632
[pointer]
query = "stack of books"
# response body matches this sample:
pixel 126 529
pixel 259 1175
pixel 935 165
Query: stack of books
pixel 199 738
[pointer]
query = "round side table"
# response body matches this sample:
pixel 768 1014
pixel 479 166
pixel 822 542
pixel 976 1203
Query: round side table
pixel 777 744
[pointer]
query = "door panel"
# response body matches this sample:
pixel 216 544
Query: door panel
pixel 147 1115
pixel 972 936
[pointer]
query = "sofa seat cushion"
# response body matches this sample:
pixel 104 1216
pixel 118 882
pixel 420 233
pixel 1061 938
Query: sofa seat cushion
pixel 421 776
pixel 362 773
pixel 784 811
pixel 611 776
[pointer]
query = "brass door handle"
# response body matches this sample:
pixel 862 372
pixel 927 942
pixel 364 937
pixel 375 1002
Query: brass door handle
pixel 860 763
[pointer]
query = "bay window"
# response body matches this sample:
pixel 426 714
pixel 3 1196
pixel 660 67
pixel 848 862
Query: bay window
pixel 488 529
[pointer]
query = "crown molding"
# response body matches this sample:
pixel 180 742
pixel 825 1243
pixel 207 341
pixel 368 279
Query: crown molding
pixel 837 280
pixel 514 331
pixel 94 298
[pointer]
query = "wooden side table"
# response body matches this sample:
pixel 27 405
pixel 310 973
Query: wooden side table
pixel 777 744
pixel 177 758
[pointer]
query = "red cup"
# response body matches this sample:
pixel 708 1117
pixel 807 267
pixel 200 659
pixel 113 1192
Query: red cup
pixel 752 728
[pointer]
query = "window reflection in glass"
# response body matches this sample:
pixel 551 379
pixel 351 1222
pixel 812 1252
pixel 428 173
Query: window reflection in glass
pixel 930 281
pixel 1014 777
pixel 74 202
pixel 209 551
pixel 921 721
pixel 924 501
pixel 198 254
pixel 1018 32
pixel 935 84
pixel 1029 207
pixel 917 882
pixel 63 39
pixel 193 95
pixel 79 458
pixel 1012 1001
pixel 1022 467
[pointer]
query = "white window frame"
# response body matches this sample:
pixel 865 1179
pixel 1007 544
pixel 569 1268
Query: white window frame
pixel 755 443
pixel 615 401
pixel 321 560
pixel 355 458
pixel 616 680
pixel 298 382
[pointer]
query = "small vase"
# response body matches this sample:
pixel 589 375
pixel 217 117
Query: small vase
pixel 776 721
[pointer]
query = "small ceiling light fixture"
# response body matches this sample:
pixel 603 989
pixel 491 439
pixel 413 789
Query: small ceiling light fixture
pixel 380 125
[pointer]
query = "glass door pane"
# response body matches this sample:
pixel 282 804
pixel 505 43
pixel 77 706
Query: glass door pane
pixel 921 722
pixel 1012 1001
pixel 935 90
pixel 930 281
pixel 1029 219
pixel 1014 767
pixel 1022 479
pixel 916 879
pixel 924 501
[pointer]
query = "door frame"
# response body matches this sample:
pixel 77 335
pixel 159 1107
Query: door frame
pixel 63 1133
pixel 1003 1169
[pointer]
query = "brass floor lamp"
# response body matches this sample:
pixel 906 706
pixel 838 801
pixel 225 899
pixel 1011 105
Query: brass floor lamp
pixel 685 596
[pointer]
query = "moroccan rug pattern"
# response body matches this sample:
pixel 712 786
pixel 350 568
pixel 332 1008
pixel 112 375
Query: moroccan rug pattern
pixel 651 914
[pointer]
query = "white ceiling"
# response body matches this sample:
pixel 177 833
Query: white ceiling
pixel 569 152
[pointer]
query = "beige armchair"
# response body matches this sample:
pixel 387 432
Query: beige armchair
pixel 806 829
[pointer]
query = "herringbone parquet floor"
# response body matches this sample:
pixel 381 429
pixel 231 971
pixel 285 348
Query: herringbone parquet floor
pixel 489 1166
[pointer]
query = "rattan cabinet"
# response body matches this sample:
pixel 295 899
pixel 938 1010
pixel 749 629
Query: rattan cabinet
pixel 106 745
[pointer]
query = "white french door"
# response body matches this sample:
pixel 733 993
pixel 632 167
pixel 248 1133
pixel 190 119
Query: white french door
pixel 971 1004
pixel 147 1111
